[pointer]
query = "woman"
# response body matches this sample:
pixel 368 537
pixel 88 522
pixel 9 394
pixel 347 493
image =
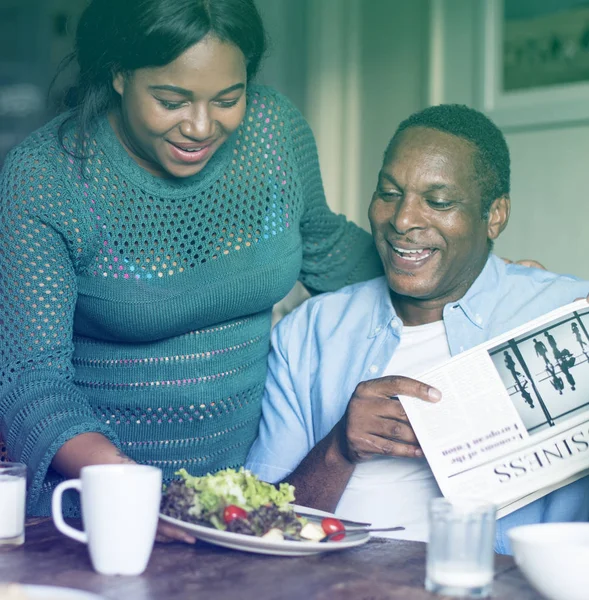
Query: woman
pixel 144 238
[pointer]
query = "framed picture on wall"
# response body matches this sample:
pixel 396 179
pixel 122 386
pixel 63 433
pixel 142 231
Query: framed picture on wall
pixel 534 61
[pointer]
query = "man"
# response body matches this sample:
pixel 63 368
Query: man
pixel 332 425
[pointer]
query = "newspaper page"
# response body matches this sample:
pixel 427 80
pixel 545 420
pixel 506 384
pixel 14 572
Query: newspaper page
pixel 513 422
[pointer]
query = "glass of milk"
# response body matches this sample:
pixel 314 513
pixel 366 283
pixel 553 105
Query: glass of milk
pixel 460 549
pixel 13 485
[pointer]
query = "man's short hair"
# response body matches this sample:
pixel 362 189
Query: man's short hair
pixel 492 163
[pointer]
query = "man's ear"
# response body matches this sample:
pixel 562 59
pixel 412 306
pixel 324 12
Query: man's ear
pixel 498 216
pixel 118 83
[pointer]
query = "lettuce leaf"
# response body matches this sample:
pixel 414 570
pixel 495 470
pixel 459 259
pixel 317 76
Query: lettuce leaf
pixel 216 491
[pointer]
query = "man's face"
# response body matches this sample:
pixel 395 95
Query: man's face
pixel 426 218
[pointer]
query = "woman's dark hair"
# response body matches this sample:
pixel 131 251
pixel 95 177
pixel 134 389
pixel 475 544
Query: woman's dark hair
pixel 115 36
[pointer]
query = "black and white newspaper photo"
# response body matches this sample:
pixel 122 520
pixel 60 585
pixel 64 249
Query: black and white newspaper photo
pixel 546 371
pixel 513 422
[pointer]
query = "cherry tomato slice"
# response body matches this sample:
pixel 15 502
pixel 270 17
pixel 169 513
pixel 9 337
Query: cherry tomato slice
pixel 232 512
pixel 331 525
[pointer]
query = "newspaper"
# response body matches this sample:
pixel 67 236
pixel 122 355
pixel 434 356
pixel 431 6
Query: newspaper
pixel 513 422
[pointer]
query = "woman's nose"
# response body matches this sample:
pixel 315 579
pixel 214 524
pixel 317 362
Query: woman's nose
pixel 199 126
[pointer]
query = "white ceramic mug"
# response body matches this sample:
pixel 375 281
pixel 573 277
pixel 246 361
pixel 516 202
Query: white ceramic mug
pixel 120 508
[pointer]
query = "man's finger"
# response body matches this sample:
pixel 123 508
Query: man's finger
pixel 394 385
pixel 384 407
pixel 398 431
pixel 389 447
pixel 392 429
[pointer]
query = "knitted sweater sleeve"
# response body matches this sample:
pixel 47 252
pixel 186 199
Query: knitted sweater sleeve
pixel 336 252
pixel 40 407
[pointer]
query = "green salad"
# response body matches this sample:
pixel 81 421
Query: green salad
pixel 233 500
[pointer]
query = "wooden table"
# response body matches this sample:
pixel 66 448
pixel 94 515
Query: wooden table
pixel 380 570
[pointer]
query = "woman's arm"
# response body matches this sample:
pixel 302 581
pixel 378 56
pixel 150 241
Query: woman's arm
pixel 43 233
pixel 84 450
pixel 336 252
pixel 95 449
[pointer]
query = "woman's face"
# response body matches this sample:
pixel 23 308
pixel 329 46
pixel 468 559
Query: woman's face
pixel 172 119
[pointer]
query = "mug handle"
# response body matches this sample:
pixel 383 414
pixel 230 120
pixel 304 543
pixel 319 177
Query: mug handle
pixel 57 512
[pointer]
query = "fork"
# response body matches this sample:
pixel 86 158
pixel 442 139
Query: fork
pixel 319 518
pixel 330 536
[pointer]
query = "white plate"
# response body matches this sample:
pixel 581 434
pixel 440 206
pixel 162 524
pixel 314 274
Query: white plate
pixel 251 543
pixel 49 592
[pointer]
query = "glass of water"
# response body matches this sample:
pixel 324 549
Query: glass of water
pixel 13 485
pixel 460 551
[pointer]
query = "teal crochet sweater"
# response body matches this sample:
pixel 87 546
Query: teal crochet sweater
pixel 139 307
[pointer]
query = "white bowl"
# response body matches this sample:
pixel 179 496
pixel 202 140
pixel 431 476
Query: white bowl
pixel 554 557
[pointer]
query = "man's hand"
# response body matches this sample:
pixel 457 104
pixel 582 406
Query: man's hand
pixel 375 423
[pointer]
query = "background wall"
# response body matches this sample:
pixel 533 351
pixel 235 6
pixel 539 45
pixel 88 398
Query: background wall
pixel 393 81
pixel 35 35
pixel 285 65
pixel 550 207
pixel 550 199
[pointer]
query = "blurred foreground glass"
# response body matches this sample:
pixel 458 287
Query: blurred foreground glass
pixel 13 485
pixel 460 551
pixel 120 509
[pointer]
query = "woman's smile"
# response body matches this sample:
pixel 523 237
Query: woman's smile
pixel 190 154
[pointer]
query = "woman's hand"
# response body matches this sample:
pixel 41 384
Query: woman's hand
pixel 166 533
pixel 94 449
pixel 525 262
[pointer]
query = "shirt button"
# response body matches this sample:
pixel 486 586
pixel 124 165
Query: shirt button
pixel 373 368
pixel 479 319
pixel 395 325
pixel 377 330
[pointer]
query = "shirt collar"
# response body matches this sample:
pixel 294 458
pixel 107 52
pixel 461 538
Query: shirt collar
pixel 477 304
pixel 383 312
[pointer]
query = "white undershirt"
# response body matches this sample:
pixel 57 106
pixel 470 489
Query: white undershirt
pixel 396 491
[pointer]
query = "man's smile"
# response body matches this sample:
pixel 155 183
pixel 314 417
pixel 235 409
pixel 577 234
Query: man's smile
pixel 410 257
pixel 414 255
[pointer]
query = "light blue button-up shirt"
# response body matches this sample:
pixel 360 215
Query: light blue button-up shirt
pixel 321 351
